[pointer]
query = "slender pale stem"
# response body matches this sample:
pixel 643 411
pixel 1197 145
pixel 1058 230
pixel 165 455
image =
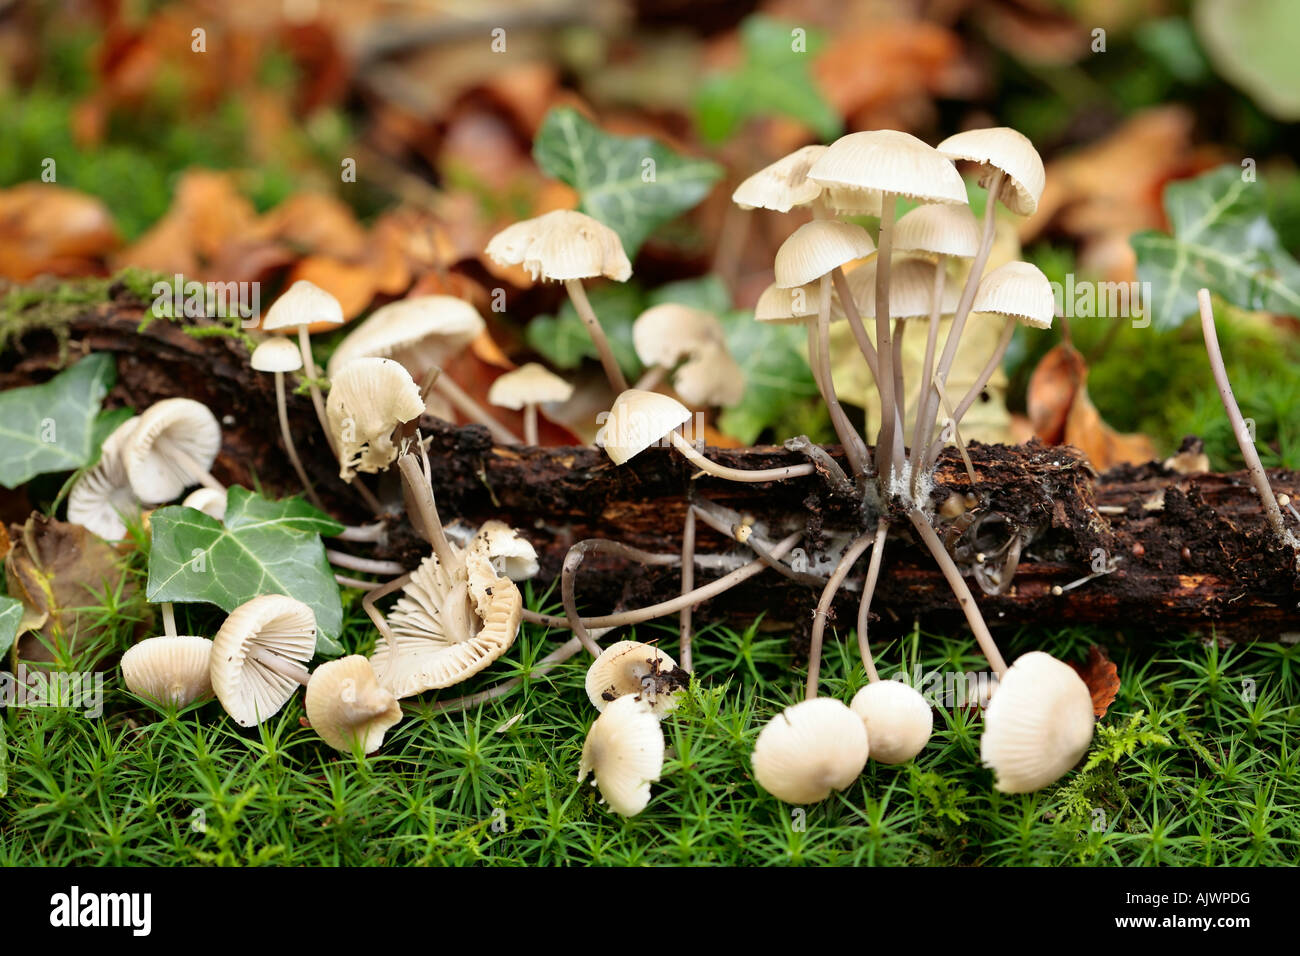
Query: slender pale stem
pixel 736 474
pixel 365 532
pixel 374 595
pixel 723 522
pixel 365 565
pixel 854 318
pixel 289 447
pixel 1004 340
pixel 956 432
pixel 309 366
pixel 924 427
pixel 169 619
pixel 530 423
pixel 347 582
pixel 864 605
pixel 192 468
pixel 367 496
pixel 420 489
pixel 651 378
pixel 688 584
pixel 900 387
pixel 854 448
pixel 839 420
pixel 464 403
pixel 569 572
pixel 289 669
pixel 846 562
pixel 582 304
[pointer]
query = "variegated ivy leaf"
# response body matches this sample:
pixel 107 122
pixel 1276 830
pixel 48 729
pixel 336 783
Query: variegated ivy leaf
pixel 50 427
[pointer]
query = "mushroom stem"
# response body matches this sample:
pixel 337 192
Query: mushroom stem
pixel 884 343
pixel 854 318
pixel 922 430
pixel 366 532
pixel 344 581
pixel 839 420
pixel 375 594
pixel 465 404
pixel 292 451
pixel 367 497
pixel 578 295
pixel 428 524
pixel 651 378
pixel 290 670
pixel 972 393
pixel 956 432
pixel 366 565
pixel 530 423
pixel 713 516
pixel 568 578
pixel 688 584
pixel 851 555
pixel 965 599
pixel 868 591
pixel 309 366
pixel 735 474
pixel 169 619
pixel 193 469
pixel 547 663
pixel 854 447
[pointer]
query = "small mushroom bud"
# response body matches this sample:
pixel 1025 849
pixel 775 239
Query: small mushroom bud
pixel 625 751
pixel 897 718
pixel 810 749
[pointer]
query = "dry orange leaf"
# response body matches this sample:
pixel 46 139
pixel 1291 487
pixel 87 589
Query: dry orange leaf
pixel 1102 677
pixel 46 228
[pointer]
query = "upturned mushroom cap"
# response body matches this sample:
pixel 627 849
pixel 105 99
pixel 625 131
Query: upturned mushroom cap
pixel 1000 147
pixel 630 667
pixel 782 185
pixel 886 160
pixel 939 229
pixel 817 247
pixel 368 399
pixel 303 304
pixel 346 706
pixel 208 500
pixel 911 290
pixel 710 377
pixel 169 670
pixel 1018 290
pixel 625 750
pixel 166 427
pixel 102 496
pixel 272 624
pixel 508 551
pixel 665 334
pixel 531 384
pixel 637 420
pixel 789 306
pixel 276 354
pixel 810 749
pixel 897 718
pixel 560 245
pixel 418 333
pixel 1037 724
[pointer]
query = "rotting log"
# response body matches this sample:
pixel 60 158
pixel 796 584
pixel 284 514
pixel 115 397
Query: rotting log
pixel 1194 552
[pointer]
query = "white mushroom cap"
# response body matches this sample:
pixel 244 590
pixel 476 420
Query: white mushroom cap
pixel 346 706
pixel 625 750
pixel 637 420
pixel 817 247
pixel 810 749
pixel 911 290
pixel 1001 147
pixel 1037 724
pixel 208 500
pixel 276 354
pixel 303 303
pixel 886 160
pixel 782 185
pixel 630 667
pixel 940 229
pixel 272 624
pixel 850 201
pixel 1019 290
pixel 562 244
pixel 897 718
pixel 368 399
pixel 665 334
pixel 173 425
pixel 419 333
pixel 789 306
pixel 531 384
pixel 102 495
pixel 710 377
pixel 508 551
pixel 169 670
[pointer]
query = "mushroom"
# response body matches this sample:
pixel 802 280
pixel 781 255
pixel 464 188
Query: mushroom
pixel 782 185
pixel 642 670
pixel 303 305
pixel 897 718
pixel 810 749
pixel 172 670
pixel 710 377
pixel 1037 725
pixel 102 496
pixel 279 355
pixel 347 707
pixel 172 446
pixel 509 552
pixel 527 387
pixel 369 398
pixel 569 246
pixel 625 751
pixel 258 656
pixel 667 334
pixel 208 500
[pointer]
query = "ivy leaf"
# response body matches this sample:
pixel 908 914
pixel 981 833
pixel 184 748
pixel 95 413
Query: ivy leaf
pixel 707 293
pixel 630 183
pixel 50 427
pixel 779 387
pixel 563 339
pixel 11 614
pixel 774 78
pixel 1222 240
pixel 264 547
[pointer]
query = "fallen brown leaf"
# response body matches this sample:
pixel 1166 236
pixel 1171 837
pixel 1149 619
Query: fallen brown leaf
pixel 46 228
pixel 1102 677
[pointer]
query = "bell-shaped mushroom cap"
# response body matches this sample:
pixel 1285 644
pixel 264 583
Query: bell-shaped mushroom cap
pixel 1000 147
pixel 449 624
pixel 208 500
pixel 169 670
pixel 168 433
pixel 531 384
pixel 847 201
pixel 560 245
pixel 1037 724
pixel 810 749
pixel 346 706
pixel 625 750
pixel 911 290
pixel 1019 290
pixel 940 229
pixel 637 420
pixel 303 303
pixel 789 306
pixel 509 552
pixel 817 247
pixel 897 718
pixel 419 333
pixel 710 377
pixel 782 185
pixel 272 625
pixel 665 334
pixel 368 399
pixel 276 354
pixel 641 670
pixel 886 160
pixel 102 495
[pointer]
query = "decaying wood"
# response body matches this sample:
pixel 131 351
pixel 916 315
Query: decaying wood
pixel 1190 552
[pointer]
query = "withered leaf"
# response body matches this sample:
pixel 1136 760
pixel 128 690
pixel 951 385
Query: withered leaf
pixel 1102 677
